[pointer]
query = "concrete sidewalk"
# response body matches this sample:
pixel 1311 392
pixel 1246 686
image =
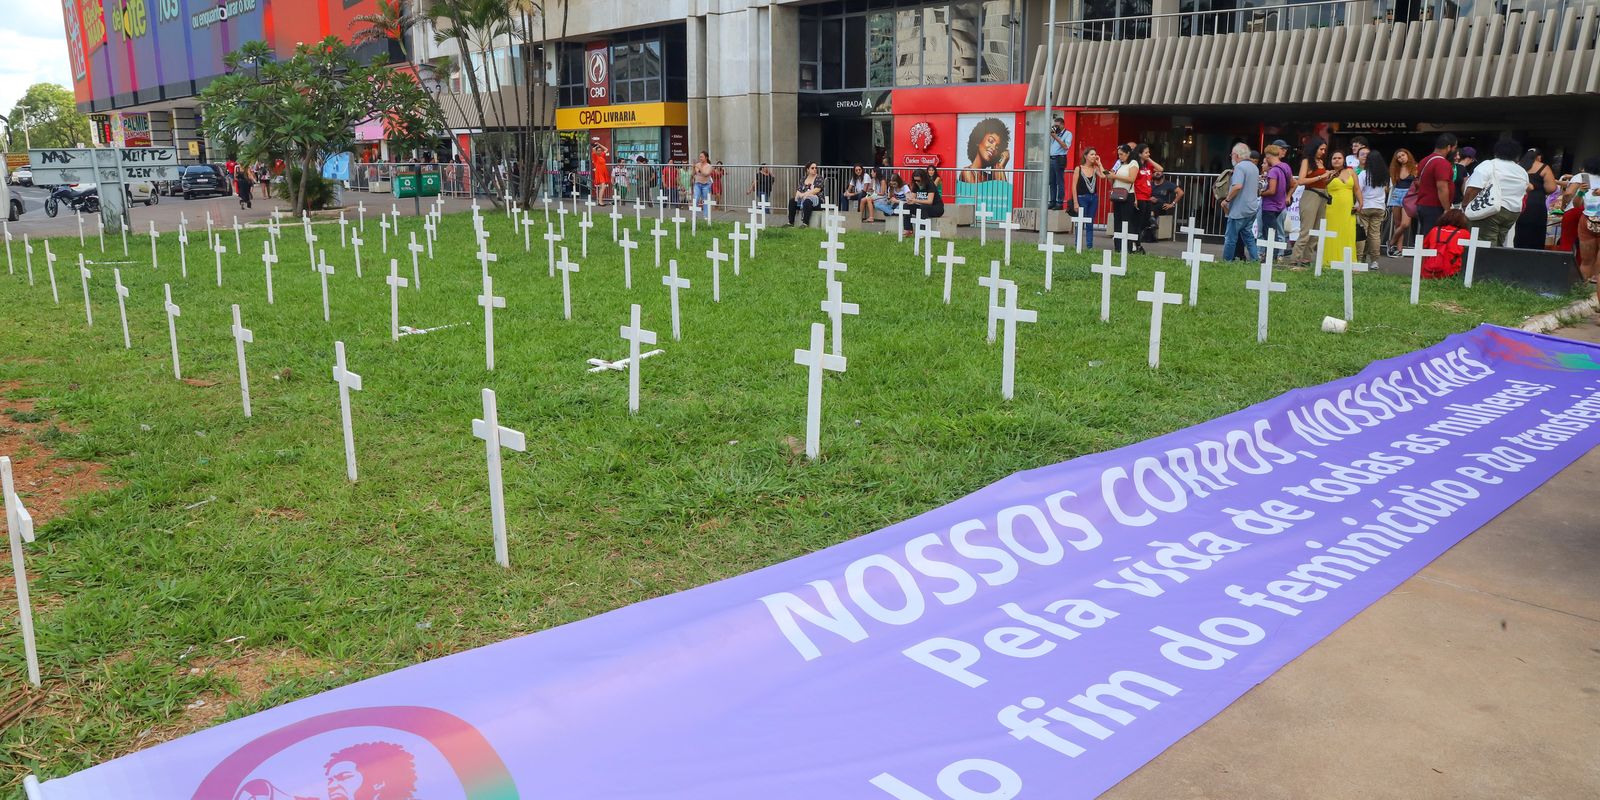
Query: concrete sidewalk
pixel 1477 678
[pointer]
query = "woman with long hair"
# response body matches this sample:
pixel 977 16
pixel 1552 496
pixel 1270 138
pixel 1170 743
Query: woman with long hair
pixel 1086 190
pixel 1340 211
pixel 1402 173
pixel 1372 192
pixel 894 194
pixel 1124 204
pixel 1313 177
pixel 858 192
pixel 807 196
pixel 1535 217
pixel 925 199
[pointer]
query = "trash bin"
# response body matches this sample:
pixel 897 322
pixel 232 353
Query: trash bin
pixel 430 184
pixel 405 185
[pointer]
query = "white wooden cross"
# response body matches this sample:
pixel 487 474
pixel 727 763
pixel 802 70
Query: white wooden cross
pixel 507 198
pixel 561 214
pixel 237 248
pixel 1417 252
pixel 347 381
pixel 567 268
pixel 755 215
pixel 155 262
pixel 27 254
pixel 344 225
pixel 1193 256
pixel 1081 223
pixel 83 277
pixel 416 271
pixel 984 215
pixel 1349 267
pixel 717 258
pixel 996 285
pixel 832 264
pixel 658 232
pixel 489 302
pixel 122 230
pixel 527 231
pixel 384 224
pixel 694 221
pixel 816 360
pixel 1008 226
pixel 674 283
pixel 241 335
pixel 1271 247
pixel 950 261
pixel 361 213
pixel 173 312
pixel 220 250
pixel 1011 315
pixel 208 225
pixel 1106 271
pixel 1471 244
pixel 677 228
pixel 918 228
pixel 575 196
pixel 616 217
pixel 11 267
pixel 496 436
pixel 738 237
pixel 1265 286
pixel 1192 232
pixel 929 233
pixel 311 246
pixel 584 224
pixel 432 230
pixel 638 213
pixel 761 225
pixel 835 307
pixel 50 267
pixel 324 269
pixel 183 250
pixel 544 200
pixel 19 528
pixel 1124 238
pixel 1158 298
pixel 636 336
pixel 268 258
pixel 396 283
pixel 100 230
pixel 550 239
pixel 628 245
pixel 1322 233
pixel 485 258
pixel 900 226
pixel 122 307
pixel 1050 248
pixel 78 215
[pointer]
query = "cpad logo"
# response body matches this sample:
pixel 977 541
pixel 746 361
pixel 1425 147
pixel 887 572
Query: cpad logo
pixel 598 64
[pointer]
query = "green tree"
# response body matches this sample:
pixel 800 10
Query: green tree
pixel 51 117
pixel 307 106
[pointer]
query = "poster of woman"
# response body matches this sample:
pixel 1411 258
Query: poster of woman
pixel 984 179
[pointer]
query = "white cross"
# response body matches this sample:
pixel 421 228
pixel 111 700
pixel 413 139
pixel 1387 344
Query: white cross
pixel 155 262
pixel 983 214
pixel 574 197
pixel 83 276
pixel 11 268
pixel 717 258
pixel 835 307
pixel 527 231
pixel 384 224
pixel 183 250
pixel 1417 252
pixel 900 225
pixel 78 215
pixel 950 260
pixel 100 230
pixel 561 214
pixel 208 225
pixel 416 271
pixel 1265 286
pixel 19 525
pixel 928 235
pixel 311 247
pixel 831 264
pixel 324 269
pixel 122 308
pixel 1012 315
pixel 816 360
pixel 485 258
pixel 268 258
pixel 636 336
pixel 996 285
pixel 738 237
pixel 674 283
pixel 347 381
pixel 27 253
pixel 1158 299
pixel 550 239
pixel 584 225
pixel 507 199
pixel 544 200
pixel 1191 231
pixel 1050 248
pixel 361 214
pixel 1008 226
pixel 496 436
pixel 122 231
pixel 343 226
pixel 1471 245
pixel 1270 246
pixel 677 228
pixel 173 312
pixel 755 214
pixel 918 227
pixel 658 232
pixel 50 267
pixel 220 249
pixel 616 217
pixel 1106 271
pixel 396 283
pixel 1322 234
pixel 433 231
pixel 1081 223
pixel 638 213
pixel 1194 258
pixel 489 302
pixel 628 245
pixel 1124 238
pixel 833 246
pixel 694 221
pixel 241 335
pixel 567 268
pixel 1349 267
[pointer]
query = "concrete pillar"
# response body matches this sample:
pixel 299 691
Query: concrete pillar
pixel 1164 26
pixel 743 90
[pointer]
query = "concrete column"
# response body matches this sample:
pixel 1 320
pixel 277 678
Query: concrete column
pixel 702 56
pixel 743 87
pixel 1164 26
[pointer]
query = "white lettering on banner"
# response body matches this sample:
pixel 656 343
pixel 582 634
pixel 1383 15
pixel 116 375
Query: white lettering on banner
pixel 222 13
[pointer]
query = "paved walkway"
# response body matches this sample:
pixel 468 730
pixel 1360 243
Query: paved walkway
pixel 1477 678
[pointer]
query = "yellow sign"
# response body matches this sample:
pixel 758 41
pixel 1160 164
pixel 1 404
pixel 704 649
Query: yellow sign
pixel 631 115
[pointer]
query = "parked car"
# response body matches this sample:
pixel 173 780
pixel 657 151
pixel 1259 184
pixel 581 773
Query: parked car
pixel 204 179
pixel 143 192
pixel 22 176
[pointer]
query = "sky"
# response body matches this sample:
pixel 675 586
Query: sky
pixel 33 48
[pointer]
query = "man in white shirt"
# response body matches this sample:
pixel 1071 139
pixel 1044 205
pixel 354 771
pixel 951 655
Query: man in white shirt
pixel 1506 184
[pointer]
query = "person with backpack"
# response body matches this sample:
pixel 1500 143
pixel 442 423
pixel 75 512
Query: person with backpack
pixel 1434 191
pixel 1313 178
pixel 1444 238
pixel 1241 202
pixel 1495 193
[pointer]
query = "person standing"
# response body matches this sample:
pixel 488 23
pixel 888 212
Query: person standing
pixel 1434 189
pixel 1059 143
pixel 761 187
pixel 1124 174
pixel 1086 190
pixel 600 170
pixel 243 183
pixel 1341 211
pixel 704 172
pixel 1313 177
pixel 1402 174
pixel 1275 191
pixel 1373 193
pixel 1466 161
pixel 807 196
pixel 717 173
pixel 1495 192
pixel 1535 219
pixel 1145 207
pixel 1241 204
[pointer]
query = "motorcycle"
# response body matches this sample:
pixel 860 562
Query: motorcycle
pixel 80 198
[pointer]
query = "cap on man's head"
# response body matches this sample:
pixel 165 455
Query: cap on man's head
pixel 1281 143
pixel 1469 152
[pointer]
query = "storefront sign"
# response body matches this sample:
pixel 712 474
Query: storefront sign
pixel 844 104
pixel 631 115
pixel 1375 127
pixel 597 73
pixel 921 135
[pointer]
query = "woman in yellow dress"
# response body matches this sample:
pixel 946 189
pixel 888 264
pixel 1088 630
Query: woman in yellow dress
pixel 1341 214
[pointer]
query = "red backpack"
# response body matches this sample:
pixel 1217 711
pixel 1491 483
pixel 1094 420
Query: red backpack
pixel 1446 240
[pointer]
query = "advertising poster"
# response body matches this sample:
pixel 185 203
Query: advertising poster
pixel 984 144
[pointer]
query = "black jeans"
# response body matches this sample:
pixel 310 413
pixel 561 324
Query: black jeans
pixel 1125 211
pixel 1427 217
pixel 921 212
pixel 803 209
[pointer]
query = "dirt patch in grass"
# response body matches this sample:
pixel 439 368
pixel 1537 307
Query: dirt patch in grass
pixel 45 482
pixel 247 674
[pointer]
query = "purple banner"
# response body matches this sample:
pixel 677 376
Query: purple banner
pixel 1040 638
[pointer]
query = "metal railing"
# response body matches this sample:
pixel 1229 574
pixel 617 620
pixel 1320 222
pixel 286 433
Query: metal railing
pixel 1283 15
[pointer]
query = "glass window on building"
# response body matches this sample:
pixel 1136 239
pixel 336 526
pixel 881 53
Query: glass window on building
pixel 1002 38
pixel 571 90
pixel 908 48
pixel 880 50
pixel 831 38
pixel 865 44
pixel 966 41
pixel 627 144
pixel 936 45
pixel 1115 14
pixel 809 64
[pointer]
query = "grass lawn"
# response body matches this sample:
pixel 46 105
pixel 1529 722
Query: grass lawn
pixel 149 599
